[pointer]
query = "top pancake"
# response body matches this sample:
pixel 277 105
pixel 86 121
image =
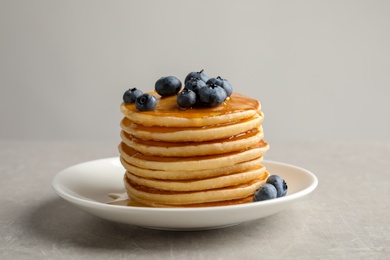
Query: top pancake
pixel 168 114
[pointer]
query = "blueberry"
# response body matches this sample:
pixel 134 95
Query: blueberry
pixel 222 83
pixel 279 183
pixel 146 102
pixel 167 86
pixel 198 75
pixel 212 95
pixel 265 192
pixel 194 84
pixel 217 81
pixel 131 95
pixel 186 98
pixel 227 87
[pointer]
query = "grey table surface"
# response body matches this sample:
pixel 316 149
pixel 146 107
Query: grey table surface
pixel 346 217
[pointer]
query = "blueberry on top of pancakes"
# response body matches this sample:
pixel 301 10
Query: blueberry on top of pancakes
pixel 131 95
pixel 198 75
pixel 212 95
pixel 167 86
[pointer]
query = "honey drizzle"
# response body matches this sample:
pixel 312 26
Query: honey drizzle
pixel 167 106
pixel 127 202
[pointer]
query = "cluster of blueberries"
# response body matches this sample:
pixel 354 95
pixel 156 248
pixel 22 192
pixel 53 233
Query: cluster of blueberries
pixel 275 187
pixel 199 90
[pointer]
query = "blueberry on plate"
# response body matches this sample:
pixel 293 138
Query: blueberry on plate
pixel 131 95
pixel 211 95
pixel 186 98
pixel 194 84
pixel 265 192
pixel 279 184
pixel 198 75
pixel 222 83
pixel 167 86
pixel 146 102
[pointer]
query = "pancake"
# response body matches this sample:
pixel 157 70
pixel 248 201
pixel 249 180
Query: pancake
pixel 193 157
pixel 184 149
pixel 191 163
pixel 168 114
pixel 138 202
pixel 189 174
pixel 199 184
pixel 191 134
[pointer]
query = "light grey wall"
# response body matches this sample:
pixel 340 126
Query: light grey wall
pixel 320 68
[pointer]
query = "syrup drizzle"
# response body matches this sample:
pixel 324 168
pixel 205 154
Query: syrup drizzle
pixel 167 106
pixel 122 199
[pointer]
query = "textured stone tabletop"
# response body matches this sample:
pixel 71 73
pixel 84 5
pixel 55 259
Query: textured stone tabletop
pixel 346 217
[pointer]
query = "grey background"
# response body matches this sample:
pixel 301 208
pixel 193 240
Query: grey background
pixel 320 68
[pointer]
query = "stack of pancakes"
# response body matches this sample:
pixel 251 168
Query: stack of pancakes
pixel 193 157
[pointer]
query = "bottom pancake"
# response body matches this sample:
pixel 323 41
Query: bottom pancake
pixel 144 203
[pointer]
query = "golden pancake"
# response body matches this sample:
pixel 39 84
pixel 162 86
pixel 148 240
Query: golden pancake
pixel 188 174
pixel 199 184
pixel 194 163
pixel 191 134
pixel 145 203
pixel 186 149
pixel 168 114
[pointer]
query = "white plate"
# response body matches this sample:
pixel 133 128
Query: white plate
pixel 88 184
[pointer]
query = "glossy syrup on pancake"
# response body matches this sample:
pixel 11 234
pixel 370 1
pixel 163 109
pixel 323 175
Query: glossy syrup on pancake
pixel 168 114
pixel 167 106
